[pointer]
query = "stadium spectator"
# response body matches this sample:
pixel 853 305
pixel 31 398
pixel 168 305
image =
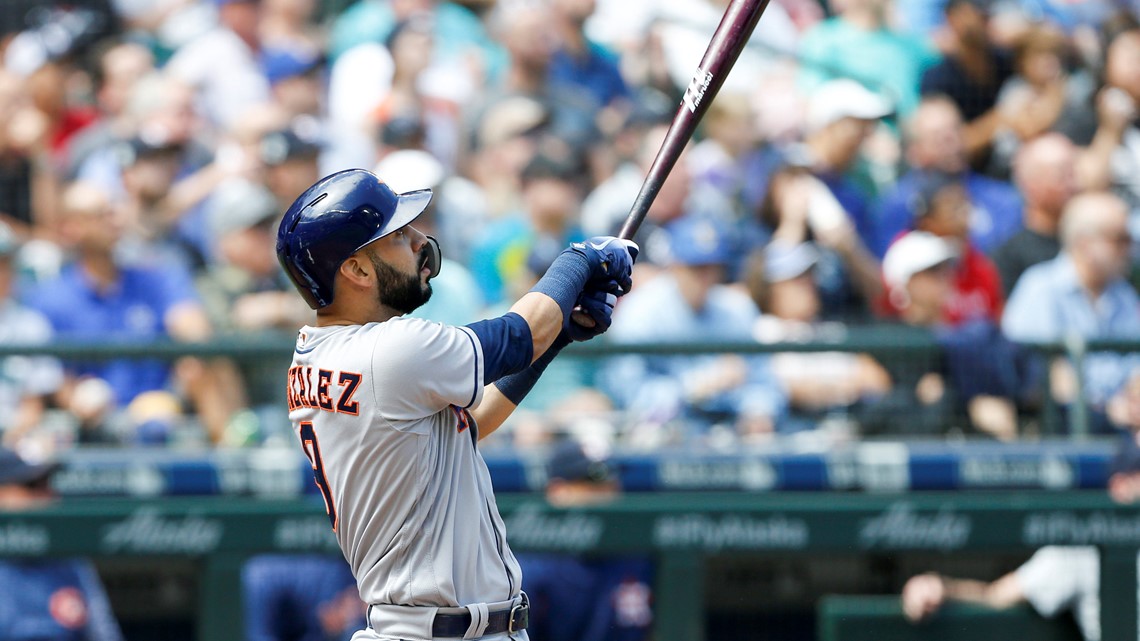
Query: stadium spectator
pixel 971 73
pixel 288 597
pixel 159 108
pixel 659 41
pixel 918 274
pixel 47 598
pixel 1045 175
pixel 779 279
pixel 859 43
pixel 118 68
pixel 1124 411
pixel 942 207
pixel 800 207
pixel 529 34
pixel 288 26
pixel 1082 292
pixel 503 141
pixel 620 169
pixel 972 384
pixel 573 598
pixel 290 158
pixel 403 77
pixel 730 134
pixel 1113 157
pixel 552 197
pixel 934 136
pixel 462 38
pixel 841 117
pixel 222 65
pixel 150 168
pixel 410 45
pixel 688 301
pixel 26 383
pixel 296 82
pixel 1054 580
pixel 244 289
pixel 28 180
pixel 578 62
pixel 607 206
pixel 99 297
pixel 1045 95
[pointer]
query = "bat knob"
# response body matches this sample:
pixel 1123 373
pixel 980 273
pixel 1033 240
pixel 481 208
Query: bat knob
pixel 581 318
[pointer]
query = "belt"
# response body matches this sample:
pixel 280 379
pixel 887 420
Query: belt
pixel 455 625
pixel 451 622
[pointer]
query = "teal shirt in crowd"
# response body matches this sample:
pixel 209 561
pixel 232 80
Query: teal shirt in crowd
pixel 457 30
pixel 887 62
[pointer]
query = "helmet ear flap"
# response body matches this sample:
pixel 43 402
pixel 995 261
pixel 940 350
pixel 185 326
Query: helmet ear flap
pixel 434 257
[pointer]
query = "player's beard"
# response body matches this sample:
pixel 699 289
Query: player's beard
pixel 401 292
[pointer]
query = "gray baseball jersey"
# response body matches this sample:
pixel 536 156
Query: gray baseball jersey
pixel 381 411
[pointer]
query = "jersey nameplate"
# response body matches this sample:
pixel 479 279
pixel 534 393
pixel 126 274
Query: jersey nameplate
pixel 323 389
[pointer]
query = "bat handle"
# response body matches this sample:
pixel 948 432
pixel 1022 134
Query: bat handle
pixel 581 318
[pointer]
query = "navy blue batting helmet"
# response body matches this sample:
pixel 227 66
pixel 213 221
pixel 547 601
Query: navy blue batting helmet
pixel 333 219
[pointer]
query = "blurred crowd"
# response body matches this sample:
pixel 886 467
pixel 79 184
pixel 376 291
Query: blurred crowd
pixel 966 169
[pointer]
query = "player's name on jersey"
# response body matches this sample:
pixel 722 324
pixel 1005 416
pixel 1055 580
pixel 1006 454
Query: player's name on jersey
pixel 323 389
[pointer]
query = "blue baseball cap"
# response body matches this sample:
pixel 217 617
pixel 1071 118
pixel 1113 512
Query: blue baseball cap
pixel 282 64
pixel 697 240
pixel 14 470
pixel 569 462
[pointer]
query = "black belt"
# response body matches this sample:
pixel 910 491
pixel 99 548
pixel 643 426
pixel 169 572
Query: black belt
pixel 456 625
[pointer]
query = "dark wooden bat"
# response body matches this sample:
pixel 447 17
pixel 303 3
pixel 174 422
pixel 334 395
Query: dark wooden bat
pixel 727 42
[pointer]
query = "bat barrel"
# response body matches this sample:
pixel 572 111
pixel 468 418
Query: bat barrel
pixel 727 42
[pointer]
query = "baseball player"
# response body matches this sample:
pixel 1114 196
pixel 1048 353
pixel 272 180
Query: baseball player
pixel 389 408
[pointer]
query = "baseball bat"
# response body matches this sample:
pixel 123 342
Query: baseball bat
pixel 727 42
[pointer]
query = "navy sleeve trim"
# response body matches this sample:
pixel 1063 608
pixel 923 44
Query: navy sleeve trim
pixel 475 377
pixel 508 346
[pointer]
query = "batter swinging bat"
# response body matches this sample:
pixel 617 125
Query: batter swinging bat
pixel 727 42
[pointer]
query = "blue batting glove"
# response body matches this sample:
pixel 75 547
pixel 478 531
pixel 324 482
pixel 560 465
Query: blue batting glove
pixel 598 306
pixel 611 262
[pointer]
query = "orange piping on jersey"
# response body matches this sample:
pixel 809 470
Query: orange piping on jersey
pixel 324 379
pixel 349 381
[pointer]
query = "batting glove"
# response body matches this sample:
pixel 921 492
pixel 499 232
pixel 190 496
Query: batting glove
pixel 598 306
pixel 611 262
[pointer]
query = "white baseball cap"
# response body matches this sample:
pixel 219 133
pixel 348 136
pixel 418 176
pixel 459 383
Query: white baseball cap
pixel 410 169
pixel 915 252
pixel 844 98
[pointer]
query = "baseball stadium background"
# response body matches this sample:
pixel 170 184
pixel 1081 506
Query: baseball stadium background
pixel 867 345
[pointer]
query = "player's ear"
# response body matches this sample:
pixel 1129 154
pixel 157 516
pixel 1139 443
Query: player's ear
pixel 357 270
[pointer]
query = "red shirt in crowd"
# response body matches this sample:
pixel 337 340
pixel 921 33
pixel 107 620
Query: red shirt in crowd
pixel 976 295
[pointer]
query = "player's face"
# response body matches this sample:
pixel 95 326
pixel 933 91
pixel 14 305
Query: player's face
pixel 400 260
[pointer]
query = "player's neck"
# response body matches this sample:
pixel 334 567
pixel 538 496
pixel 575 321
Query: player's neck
pixel 354 314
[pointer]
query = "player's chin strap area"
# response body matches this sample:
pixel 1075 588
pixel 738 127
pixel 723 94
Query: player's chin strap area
pixel 434 259
pixel 468 622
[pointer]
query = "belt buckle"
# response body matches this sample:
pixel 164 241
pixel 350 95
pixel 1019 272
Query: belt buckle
pixel 511 619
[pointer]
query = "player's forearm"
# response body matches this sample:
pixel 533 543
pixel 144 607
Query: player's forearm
pixel 544 317
pixel 1004 592
pixel 492 412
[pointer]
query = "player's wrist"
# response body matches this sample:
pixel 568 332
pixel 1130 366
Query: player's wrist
pixel 564 280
